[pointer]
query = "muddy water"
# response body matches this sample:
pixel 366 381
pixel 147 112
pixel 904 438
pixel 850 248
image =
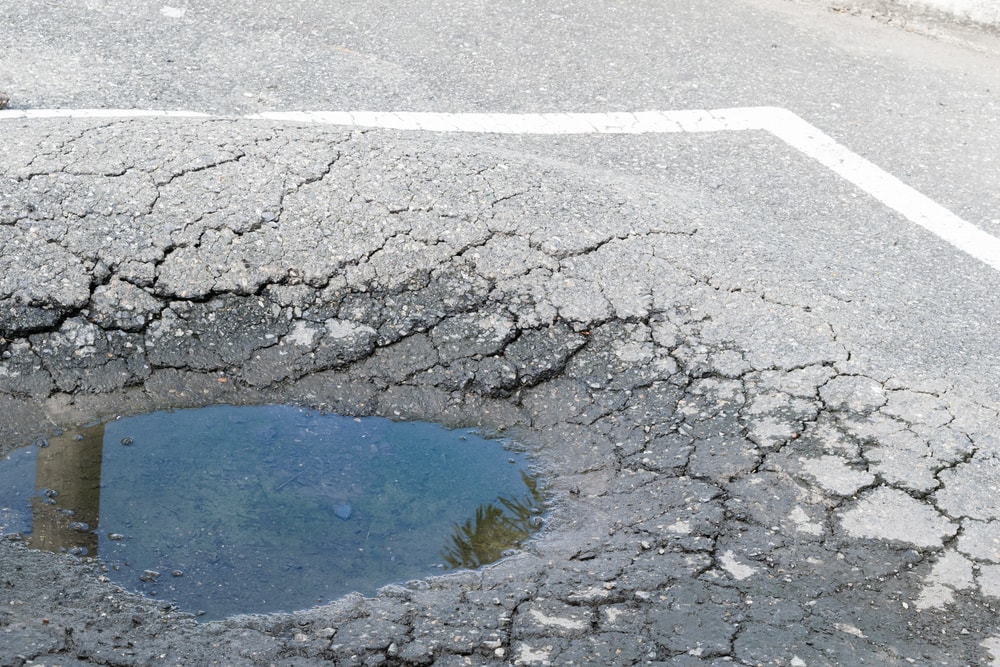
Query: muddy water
pixel 228 509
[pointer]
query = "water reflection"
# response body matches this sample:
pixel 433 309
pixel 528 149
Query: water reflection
pixel 245 509
pixel 495 529
pixel 65 511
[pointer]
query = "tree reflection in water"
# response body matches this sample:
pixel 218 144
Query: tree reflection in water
pixel 495 528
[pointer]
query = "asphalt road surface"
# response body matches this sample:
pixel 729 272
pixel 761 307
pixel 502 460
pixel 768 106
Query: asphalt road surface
pixel 762 394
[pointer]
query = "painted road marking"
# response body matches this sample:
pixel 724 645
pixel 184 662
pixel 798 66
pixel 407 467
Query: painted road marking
pixel 781 123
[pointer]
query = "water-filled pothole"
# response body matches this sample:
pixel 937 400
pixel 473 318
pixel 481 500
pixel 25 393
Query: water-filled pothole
pixel 227 509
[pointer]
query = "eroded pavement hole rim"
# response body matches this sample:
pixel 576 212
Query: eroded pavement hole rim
pixel 223 509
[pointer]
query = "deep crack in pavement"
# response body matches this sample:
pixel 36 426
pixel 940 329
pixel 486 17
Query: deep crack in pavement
pixel 730 486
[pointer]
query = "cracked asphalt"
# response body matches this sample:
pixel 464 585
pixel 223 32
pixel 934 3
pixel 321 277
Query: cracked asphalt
pixel 770 436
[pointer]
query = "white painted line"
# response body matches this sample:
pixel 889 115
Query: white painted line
pixel 643 122
pixel 12 114
pixel 886 188
pixel 782 123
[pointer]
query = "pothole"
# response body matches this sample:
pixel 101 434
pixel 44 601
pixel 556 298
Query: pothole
pixel 223 510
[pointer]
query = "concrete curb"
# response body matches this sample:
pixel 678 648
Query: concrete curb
pixel 981 12
pixel 976 13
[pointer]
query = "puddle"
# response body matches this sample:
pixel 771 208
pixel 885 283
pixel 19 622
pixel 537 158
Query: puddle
pixel 226 510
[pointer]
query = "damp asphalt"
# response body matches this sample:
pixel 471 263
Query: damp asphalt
pixel 763 404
